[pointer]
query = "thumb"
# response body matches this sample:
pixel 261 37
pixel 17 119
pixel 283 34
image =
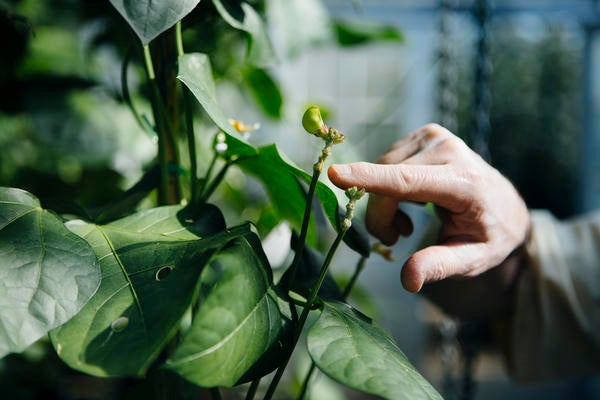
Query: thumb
pixel 436 263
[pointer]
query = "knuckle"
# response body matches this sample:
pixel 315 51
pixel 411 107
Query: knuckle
pixel 452 144
pixel 386 158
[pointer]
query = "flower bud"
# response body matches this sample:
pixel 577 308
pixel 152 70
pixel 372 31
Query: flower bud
pixel 312 120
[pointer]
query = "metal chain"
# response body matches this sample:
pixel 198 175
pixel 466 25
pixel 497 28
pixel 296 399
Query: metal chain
pixel 483 70
pixel 447 71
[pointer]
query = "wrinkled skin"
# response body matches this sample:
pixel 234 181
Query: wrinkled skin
pixel 484 219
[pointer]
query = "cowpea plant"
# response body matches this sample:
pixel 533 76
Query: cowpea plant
pixel 125 293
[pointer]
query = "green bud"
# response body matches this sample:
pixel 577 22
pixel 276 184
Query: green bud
pixel 312 120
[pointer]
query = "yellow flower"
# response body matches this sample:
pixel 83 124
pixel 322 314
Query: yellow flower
pixel 243 128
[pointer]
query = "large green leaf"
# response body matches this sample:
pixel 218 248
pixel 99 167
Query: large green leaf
pixel 241 15
pixel 196 73
pixel 46 272
pixel 352 351
pixel 151 263
pixel 150 18
pixel 237 321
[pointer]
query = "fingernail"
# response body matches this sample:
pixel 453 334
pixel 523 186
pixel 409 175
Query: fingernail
pixel 341 169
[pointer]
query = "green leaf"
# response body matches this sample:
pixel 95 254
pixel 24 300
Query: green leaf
pixel 47 273
pixel 352 32
pixel 355 353
pixel 196 73
pixel 307 274
pixel 237 321
pixel 151 263
pixel 264 90
pixel 242 16
pixel 150 18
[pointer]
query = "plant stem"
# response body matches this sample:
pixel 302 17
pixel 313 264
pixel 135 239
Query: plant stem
pixel 127 96
pixel 307 380
pixel 191 138
pixel 213 162
pixel 349 286
pixel 178 39
pixel 252 389
pixel 148 63
pixel 189 122
pixel 159 127
pixel 304 228
pixel 306 310
pixel 215 183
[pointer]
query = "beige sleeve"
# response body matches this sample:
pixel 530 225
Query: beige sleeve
pixel 556 328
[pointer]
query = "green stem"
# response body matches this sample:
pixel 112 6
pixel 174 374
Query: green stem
pixel 304 228
pixel 215 183
pixel 307 381
pixel 252 389
pixel 305 311
pixel 189 124
pixel 178 39
pixel 160 128
pixel 213 162
pixel 345 294
pixel 143 123
pixel 148 62
pixel 350 285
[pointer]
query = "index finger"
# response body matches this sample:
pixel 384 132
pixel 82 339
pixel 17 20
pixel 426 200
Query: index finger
pixel 438 184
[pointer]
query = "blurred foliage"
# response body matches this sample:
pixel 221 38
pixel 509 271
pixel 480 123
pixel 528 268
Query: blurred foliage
pixel 535 115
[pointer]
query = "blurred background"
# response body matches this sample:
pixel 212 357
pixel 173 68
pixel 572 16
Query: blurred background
pixel 519 81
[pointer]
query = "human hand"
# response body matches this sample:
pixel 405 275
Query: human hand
pixel 483 217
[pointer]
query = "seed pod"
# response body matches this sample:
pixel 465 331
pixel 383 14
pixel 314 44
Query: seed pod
pixel 312 120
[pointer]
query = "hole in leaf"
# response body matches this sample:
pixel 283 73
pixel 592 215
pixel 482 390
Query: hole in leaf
pixel 163 273
pixel 119 324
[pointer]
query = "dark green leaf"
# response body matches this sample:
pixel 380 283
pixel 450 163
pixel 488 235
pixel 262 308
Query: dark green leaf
pixel 242 16
pixel 355 353
pixel 265 91
pixel 151 263
pixel 351 32
pixel 150 18
pixel 196 73
pixel 237 321
pixel 307 274
pixel 47 273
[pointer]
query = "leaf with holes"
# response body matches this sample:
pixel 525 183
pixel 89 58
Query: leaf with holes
pixel 47 273
pixel 237 321
pixel 150 18
pixel 151 262
pixel 355 353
